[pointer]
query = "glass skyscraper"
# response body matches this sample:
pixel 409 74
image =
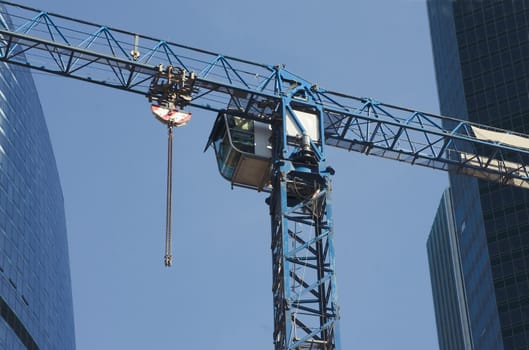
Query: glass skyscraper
pixel 447 279
pixel 481 54
pixel 36 309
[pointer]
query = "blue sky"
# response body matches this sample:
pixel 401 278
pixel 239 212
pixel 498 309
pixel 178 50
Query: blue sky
pixel 111 156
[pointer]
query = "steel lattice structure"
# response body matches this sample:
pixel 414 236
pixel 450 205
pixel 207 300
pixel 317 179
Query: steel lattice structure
pixel 304 284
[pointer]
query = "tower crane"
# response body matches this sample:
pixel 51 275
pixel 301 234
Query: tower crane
pixel 270 135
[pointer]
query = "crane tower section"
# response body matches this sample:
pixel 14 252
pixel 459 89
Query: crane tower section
pixel 285 158
pixel 304 277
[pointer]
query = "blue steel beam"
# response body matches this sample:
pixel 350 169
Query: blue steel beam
pixel 102 55
pixel 304 279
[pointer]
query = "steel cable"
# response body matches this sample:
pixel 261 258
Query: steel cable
pixel 168 259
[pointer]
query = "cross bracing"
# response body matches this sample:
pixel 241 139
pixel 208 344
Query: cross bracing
pixel 306 313
pixel 102 55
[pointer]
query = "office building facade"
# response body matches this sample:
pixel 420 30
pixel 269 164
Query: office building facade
pixel 36 309
pixel 447 279
pixel 481 54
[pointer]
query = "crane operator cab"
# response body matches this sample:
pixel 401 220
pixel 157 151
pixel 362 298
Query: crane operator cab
pixel 243 150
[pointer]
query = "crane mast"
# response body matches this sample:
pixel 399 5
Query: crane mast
pixel 304 280
pixel 300 120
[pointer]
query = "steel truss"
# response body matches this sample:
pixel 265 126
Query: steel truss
pixel 123 60
pixel 304 282
pixel 304 278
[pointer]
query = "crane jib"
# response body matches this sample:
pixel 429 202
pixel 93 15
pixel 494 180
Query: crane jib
pixel 389 131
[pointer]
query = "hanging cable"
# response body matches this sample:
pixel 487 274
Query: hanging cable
pixel 168 258
pixel 171 89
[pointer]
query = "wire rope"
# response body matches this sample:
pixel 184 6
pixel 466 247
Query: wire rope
pixel 168 258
